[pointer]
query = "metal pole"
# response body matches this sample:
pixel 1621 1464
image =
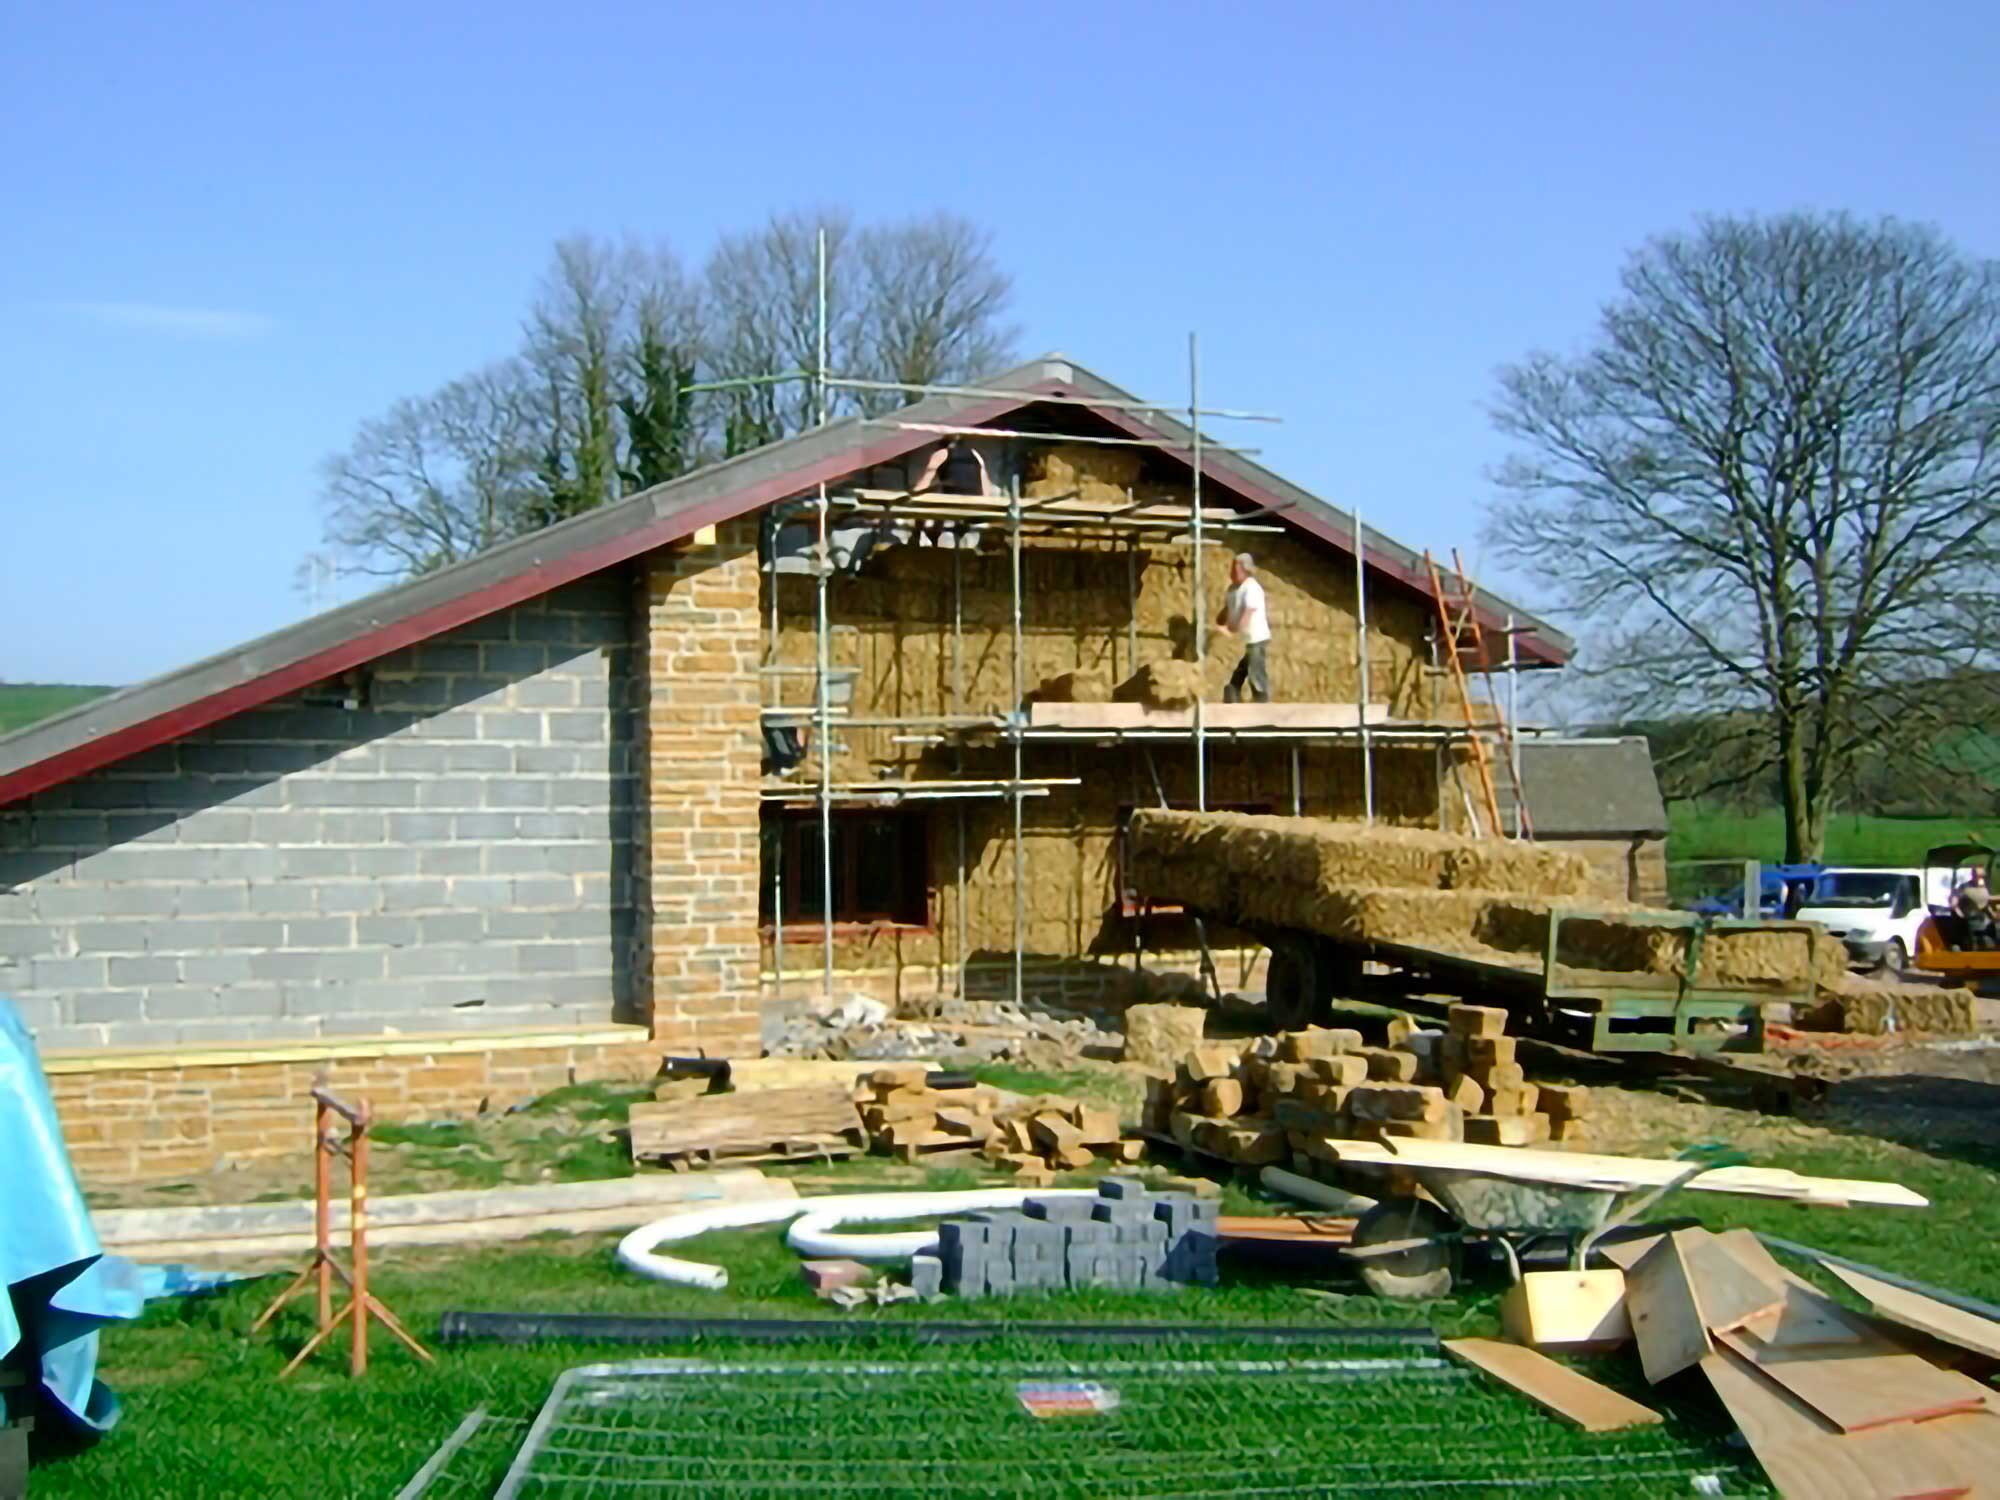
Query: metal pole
pixel 1295 781
pixel 824 654
pixel 778 864
pixel 819 369
pixel 825 735
pixel 1514 732
pixel 1020 692
pixel 1361 677
pixel 958 706
pixel 1200 598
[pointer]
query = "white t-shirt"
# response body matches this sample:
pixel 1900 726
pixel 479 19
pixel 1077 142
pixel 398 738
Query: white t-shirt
pixel 1244 609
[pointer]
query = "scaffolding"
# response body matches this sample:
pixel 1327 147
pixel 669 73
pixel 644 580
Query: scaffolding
pixel 1197 523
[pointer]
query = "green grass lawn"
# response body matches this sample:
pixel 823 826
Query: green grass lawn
pixel 1698 833
pixel 205 1416
pixel 22 703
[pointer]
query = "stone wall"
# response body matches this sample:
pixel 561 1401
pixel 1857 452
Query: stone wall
pixel 137 1122
pixel 444 840
pixel 697 694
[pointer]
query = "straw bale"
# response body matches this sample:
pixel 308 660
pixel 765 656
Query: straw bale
pixel 1077 686
pixel 1510 865
pixel 1158 1036
pixel 1878 1009
pixel 1085 467
pixel 1162 684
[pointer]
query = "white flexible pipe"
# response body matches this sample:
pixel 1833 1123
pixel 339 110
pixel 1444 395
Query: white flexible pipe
pixel 812 1235
pixel 637 1251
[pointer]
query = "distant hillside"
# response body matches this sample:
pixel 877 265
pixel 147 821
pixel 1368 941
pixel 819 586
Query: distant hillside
pixel 22 703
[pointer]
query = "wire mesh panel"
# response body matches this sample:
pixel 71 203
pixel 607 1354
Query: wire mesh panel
pixel 1161 1428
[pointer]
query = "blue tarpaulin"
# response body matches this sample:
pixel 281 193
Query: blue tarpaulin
pixel 60 1285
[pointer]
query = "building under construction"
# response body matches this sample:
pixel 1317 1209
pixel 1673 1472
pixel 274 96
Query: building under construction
pixel 863 709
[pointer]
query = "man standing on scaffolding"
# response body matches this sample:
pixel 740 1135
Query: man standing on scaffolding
pixel 1243 613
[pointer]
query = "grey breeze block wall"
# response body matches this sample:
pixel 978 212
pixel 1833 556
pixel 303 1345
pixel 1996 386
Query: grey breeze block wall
pixel 455 852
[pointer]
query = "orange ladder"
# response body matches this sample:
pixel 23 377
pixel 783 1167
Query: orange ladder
pixel 1458 618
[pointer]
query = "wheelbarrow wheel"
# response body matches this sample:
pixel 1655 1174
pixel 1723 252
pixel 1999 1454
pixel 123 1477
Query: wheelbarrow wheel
pixel 1409 1275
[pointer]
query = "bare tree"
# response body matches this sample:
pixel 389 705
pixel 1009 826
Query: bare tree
pixel 919 302
pixel 1769 488
pixel 616 385
pixel 933 304
pixel 763 290
pixel 437 478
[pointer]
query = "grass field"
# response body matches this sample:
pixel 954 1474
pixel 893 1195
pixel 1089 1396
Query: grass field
pixel 1851 838
pixel 204 1415
pixel 22 703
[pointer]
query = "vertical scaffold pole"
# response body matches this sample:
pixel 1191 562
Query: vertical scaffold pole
pixel 1200 597
pixel 824 653
pixel 958 707
pixel 1014 719
pixel 1361 674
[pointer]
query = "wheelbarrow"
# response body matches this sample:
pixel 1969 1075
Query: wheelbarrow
pixel 1413 1248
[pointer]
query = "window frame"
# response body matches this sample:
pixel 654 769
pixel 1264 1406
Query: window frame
pixel 797 833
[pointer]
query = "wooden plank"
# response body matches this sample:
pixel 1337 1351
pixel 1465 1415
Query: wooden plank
pixel 121 1229
pixel 1746 1247
pixel 1215 716
pixel 1625 1254
pixel 1807 1458
pixel 1620 1173
pixel 1856 1386
pixel 760 1074
pixel 1731 1292
pixel 1555 1388
pixel 1666 1312
pixel 1925 1314
pixel 745 1124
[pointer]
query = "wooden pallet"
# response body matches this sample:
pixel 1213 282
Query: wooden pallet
pixel 769 1125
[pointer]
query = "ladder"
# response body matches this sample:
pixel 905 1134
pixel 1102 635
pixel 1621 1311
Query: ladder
pixel 1458 619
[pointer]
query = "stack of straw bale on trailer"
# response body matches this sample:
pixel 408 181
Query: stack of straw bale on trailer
pixel 1485 899
pixel 1282 1098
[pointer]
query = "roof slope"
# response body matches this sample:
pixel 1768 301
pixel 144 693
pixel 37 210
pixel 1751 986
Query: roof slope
pixel 151 713
pixel 1591 788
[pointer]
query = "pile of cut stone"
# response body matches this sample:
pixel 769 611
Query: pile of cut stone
pixel 1283 1097
pixel 1126 1239
pixel 1035 1138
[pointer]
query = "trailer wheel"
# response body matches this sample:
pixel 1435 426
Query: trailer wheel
pixel 1295 986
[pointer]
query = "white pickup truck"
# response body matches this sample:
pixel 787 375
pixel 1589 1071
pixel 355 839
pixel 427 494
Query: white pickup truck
pixel 1876 913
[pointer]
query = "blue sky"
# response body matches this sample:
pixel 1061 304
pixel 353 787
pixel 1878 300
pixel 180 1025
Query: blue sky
pixel 232 233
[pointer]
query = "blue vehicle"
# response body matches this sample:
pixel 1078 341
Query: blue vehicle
pixel 1781 891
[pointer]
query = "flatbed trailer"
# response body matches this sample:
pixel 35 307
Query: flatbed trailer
pixel 1605 1010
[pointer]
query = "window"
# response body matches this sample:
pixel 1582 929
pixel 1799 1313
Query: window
pixel 881 866
pixel 1129 904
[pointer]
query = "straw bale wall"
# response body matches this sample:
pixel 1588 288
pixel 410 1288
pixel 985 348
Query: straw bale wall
pixel 1094 613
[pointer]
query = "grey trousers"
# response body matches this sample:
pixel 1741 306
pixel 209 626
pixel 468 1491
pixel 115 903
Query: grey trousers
pixel 1254 668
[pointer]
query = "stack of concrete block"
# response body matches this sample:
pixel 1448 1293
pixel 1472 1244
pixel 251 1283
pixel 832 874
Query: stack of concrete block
pixel 1289 1095
pixel 1035 1138
pixel 1125 1239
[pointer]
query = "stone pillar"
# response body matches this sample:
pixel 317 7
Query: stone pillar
pixel 699 634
